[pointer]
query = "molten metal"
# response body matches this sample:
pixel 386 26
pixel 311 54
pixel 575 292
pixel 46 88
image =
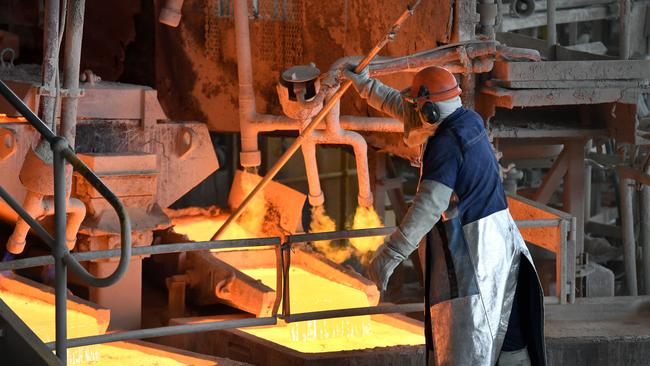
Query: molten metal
pixel 310 292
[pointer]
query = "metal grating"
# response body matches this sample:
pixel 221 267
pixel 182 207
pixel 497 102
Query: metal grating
pixel 276 29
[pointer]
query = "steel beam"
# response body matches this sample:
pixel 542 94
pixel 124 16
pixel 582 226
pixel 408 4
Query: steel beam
pixel 572 70
pixel 552 179
pixel 574 188
pixel 561 17
pixel 627 230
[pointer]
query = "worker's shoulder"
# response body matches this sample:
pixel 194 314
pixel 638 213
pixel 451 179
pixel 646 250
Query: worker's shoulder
pixel 464 126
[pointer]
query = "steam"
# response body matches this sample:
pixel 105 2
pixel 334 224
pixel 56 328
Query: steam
pixel 252 219
pixel 366 218
pixel 321 222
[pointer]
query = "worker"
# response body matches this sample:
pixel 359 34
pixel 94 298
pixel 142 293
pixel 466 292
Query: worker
pixel 483 297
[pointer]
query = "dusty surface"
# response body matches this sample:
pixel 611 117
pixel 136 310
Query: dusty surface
pixel 196 72
pixel 600 318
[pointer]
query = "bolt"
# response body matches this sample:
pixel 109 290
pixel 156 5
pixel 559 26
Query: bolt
pixel 187 138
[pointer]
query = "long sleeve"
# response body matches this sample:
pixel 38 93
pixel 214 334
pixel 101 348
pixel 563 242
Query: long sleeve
pixel 431 200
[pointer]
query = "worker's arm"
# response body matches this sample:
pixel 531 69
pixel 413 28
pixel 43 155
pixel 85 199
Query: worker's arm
pixel 440 165
pixel 378 95
pixel 431 200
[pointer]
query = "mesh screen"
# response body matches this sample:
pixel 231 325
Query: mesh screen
pixel 276 29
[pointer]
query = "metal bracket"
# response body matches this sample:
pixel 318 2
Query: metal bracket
pixel 43 90
pixel 72 93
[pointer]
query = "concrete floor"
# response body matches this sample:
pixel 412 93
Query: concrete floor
pixel 599 331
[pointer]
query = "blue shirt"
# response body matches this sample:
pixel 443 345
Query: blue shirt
pixel 460 156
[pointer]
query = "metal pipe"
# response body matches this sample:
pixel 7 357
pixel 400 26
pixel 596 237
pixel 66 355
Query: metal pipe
pixel 284 158
pixel 148 250
pixel 250 155
pixel 488 11
pixel 551 29
pixel 251 122
pixel 50 63
pixel 169 330
pixel 624 35
pixel 37 206
pixel 627 228
pixel 33 206
pixel 316 196
pixel 58 252
pixel 227 244
pixel 588 184
pixel 73 38
pixel 333 134
pixel 370 310
pixel 24 215
pixel 645 234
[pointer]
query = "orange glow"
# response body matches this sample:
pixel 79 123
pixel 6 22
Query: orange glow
pixel 366 218
pixel 203 228
pixel 310 292
pixel 39 317
pixel 321 222
pixel 5 119
pixel 252 219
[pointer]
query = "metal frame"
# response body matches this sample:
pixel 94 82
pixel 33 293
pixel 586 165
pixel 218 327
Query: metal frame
pixel 62 258
pixel 61 255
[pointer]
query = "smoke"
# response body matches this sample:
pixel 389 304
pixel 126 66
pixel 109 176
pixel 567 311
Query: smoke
pixel 321 222
pixel 252 219
pixel 366 218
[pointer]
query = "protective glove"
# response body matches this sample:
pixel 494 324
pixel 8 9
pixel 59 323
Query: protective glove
pixel 383 264
pixel 360 81
pixel 431 200
pixel 378 95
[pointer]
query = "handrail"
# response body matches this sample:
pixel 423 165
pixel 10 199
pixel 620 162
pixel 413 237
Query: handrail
pixel 60 146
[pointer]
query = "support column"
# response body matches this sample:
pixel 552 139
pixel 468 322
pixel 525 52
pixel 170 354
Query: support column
pixel 627 229
pixel 574 188
pixel 551 31
pixel 645 234
pixel 124 298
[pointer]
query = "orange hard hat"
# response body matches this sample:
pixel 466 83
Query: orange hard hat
pixel 440 85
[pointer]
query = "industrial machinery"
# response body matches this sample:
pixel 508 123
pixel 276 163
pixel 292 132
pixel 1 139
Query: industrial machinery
pixel 132 134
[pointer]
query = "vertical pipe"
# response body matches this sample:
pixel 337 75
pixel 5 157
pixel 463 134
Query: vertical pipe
pixel 627 228
pixel 624 35
pixel 588 185
pixel 645 234
pixel 487 17
pixel 316 197
pixel 250 155
pixel 551 30
pixel 73 38
pixel 50 62
pixel 59 250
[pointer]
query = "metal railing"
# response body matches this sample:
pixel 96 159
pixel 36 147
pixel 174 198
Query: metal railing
pixel 61 256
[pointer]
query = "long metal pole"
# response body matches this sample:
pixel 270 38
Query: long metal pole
pixel 171 330
pixel 551 29
pixel 627 228
pixel 390 35
pixel 73 37
pixel 59 251
pixel 645 234
pixel 50 62
pixel 624 36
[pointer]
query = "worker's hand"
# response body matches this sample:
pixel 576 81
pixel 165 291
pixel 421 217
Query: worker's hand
pixel 382 265
pixel 361 81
